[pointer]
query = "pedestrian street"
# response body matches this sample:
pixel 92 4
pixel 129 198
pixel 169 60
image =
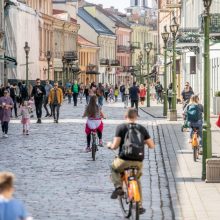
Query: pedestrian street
pixel 57 180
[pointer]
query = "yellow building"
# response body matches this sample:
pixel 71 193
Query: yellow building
pixel 88 61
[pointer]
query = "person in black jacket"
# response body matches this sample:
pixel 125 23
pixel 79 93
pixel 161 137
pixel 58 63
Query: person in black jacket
pixel 13 95
pixel 38 93
pixel 134 95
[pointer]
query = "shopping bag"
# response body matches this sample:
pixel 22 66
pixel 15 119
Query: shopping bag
pixel 218 121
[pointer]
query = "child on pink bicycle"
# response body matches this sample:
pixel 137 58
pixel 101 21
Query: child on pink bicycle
pixel 94 122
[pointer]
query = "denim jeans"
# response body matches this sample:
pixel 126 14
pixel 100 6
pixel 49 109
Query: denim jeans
pixel 100 100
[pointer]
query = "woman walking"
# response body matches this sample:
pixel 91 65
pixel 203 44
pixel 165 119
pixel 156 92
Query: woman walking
pixel 142 94
pixel 6 105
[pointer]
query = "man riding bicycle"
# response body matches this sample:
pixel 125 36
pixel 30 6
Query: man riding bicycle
pixel 121 162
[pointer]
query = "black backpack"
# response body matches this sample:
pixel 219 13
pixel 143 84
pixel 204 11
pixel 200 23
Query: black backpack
pixel 133 147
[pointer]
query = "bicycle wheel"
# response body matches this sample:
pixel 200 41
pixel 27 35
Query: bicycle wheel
pixel 195 152
pixel 135 211
pixel 125 204
pixel 93 147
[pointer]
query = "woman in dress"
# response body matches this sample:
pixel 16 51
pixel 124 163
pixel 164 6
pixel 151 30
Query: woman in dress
pixel 142 94
pixel 6 105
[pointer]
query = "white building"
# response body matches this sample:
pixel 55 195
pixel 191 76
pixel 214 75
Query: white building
pixel 22 25
pixel 192 46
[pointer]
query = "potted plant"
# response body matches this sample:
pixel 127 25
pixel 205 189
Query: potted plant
pixel 216 103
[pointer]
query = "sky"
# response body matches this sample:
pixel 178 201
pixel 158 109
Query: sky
pixel 119 4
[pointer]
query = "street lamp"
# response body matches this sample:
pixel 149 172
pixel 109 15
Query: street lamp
pixel 140 61
pixel 148 48
pixel 206 137
pixel 165 35
pixel 27 50
pixel 48 64
pixel 173 29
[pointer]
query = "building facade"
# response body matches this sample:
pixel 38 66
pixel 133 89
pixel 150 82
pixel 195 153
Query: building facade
pixel 96 32
pixel 88 61
pixel 1 41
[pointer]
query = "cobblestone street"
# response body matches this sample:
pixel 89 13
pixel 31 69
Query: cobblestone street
pixel 57 180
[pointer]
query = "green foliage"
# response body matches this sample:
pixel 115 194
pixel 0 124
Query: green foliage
pixel 217 94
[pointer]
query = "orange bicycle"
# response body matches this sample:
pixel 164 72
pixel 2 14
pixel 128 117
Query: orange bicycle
pixel 130 201
pixel 195 144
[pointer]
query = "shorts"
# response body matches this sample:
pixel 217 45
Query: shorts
pixel 93 125
pixel 142 99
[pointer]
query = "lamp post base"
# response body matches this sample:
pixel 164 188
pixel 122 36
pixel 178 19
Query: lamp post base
pixel 172 115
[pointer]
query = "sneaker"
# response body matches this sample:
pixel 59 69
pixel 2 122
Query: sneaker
pixel 6 136
pixel 142 210
pixel 39 121
pixel 117 192
pixel 88 149
pixel 23 131
pixel 54 120
pixel 47 115
pixel 27 133
pixel 100 143
pixel 3 134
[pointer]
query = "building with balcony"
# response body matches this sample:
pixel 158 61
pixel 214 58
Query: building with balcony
pixel 2 30
pixel 191 45
pixel 97 33
pixel 88 61
pixel 121 28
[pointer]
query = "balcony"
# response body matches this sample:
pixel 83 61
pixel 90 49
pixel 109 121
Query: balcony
pixel 104 62
pixel 70 56
pixel 135 45
pixel 123 49
pixel 115 63
pixel 173 3
pixel 214 24
pixel 92 69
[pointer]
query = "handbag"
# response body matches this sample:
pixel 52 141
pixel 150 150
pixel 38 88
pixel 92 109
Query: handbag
pixel 218 121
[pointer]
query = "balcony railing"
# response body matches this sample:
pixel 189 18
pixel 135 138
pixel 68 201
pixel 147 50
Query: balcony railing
pixel 104 62
pixel 92 69
pixel 214 26
pixel 135 45
pixel 70 56
pixel 123 49
pixel 115 63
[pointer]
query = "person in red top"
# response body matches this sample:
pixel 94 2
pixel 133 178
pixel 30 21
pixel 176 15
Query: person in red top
pixel 142 94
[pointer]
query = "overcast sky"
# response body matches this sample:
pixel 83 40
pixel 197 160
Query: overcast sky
pixel 120 4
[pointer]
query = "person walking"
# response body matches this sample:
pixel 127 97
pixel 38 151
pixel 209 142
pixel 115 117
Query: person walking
pixel 159 91
pixel 75 90
pixel 152 91
pixel 81 92
pixel 116 93
pixel 25 116
pixel 142 94
pixel 100 94
pixel 14 96
pixel 126 95
pixel 122 92
pixel 38 93
pixel 86 94
pixel 23 92
pixel 170 95
pixel 47 88
pixel 10 208
pixel 186 94
pixel 55 99
pixel 106 92
pixel 134 95
pixel 6 105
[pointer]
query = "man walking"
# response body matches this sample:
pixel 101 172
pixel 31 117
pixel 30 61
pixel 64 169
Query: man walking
pixel 75 90
pixel 55 99
pixel 38 93
pixel 186 94
pixel 23 92
pixel 47 88
pixel 134 95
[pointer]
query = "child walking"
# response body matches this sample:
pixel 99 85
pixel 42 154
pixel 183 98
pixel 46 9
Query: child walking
pixel 25 120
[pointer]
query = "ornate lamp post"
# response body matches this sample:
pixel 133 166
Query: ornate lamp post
pixel 140 61
pixel 173 29
pixel 207 141
pixel 148 48
pixel 165 35
pixel 27 50
pixel 48 64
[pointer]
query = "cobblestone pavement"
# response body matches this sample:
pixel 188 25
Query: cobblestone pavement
pixel 58 181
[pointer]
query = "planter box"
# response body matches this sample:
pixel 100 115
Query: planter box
pixel 216 105
pixel 213 170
